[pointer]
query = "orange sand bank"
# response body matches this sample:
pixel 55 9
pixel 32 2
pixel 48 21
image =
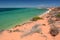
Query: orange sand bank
pixel 12 35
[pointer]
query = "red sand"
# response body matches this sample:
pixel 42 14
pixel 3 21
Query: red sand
pixel 36 36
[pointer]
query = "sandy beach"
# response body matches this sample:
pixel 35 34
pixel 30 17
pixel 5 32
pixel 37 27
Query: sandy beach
pixel 16 32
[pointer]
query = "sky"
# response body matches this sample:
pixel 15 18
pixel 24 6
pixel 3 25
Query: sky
pixel 29 3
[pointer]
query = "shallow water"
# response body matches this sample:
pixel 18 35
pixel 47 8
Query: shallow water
pixel 10 17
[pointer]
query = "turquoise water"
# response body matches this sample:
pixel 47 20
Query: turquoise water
pixel 9 17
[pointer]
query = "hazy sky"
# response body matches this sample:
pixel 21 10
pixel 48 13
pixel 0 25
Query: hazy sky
pixel 29 3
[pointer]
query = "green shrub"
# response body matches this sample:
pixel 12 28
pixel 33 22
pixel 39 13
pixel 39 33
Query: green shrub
pixel 58 15
pixel 36 18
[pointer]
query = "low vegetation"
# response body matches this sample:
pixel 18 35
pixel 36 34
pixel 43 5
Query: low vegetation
pixel 1 31
pixel 58 15
pixel 36 18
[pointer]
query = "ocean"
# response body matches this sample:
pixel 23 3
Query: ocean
pixel 10 17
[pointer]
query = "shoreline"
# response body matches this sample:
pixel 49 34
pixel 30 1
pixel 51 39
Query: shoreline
pixel 38 15
pixel 29 21
pixel 45 12
pixel 16 32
